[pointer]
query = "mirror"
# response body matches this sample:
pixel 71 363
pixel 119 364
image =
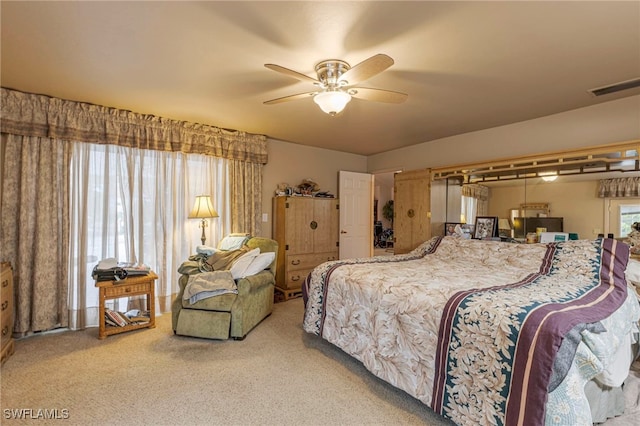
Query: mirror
pixel 518 186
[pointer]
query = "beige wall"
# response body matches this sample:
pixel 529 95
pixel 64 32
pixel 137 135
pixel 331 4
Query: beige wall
pixel 291 163
pixel 609 122
pixel 576 202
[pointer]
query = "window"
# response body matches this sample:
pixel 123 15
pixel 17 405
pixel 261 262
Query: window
pixel 622 212
pixel 629 214
pixel 132 205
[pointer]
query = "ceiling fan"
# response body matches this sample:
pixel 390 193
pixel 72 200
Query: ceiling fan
pixel 336 80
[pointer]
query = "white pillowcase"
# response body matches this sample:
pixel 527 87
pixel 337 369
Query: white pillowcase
pixel 233 242
pixel 242 263
pixel 259 263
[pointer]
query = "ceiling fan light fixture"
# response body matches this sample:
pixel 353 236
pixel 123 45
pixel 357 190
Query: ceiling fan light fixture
pixel 332 102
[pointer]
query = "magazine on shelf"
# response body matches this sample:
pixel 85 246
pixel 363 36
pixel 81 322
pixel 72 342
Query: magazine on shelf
pixel 116 317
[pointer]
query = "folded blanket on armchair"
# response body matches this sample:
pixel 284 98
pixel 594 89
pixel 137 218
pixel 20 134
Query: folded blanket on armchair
pixel 209 284
pixel 223 260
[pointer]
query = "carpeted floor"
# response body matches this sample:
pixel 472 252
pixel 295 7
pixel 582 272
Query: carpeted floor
pixel 278 375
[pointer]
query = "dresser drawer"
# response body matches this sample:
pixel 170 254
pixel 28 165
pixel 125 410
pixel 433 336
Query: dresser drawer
pixel 6 301
pixel 295 279
pixel 6 313
pixel 297 262
pixel 6 287
pixel 126 290
pixel 6 306
pixel 6 327
pixel 7 346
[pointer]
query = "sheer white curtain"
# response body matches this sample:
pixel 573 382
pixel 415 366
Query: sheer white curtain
pixel 475 201
pixel 469 209
pixel 132 204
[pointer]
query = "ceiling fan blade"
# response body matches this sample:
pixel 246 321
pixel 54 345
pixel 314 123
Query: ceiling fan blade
pixel 290 98
pixel 291 73
pixel 367 69
pixel 378 95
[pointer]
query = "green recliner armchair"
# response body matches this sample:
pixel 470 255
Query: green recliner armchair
pixel 227 315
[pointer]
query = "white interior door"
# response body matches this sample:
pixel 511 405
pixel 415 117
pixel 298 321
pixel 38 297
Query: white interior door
pixel 356 214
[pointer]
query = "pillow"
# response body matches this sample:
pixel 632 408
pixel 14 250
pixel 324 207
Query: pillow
pixel 233 241
pixel 259 263
pixel 205 250
pixel 242 263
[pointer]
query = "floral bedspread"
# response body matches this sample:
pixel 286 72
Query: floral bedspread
pixel 479 356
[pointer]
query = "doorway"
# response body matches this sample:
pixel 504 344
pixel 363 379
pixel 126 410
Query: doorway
pixel 383 213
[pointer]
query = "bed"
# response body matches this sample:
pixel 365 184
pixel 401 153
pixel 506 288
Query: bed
pixel 486 332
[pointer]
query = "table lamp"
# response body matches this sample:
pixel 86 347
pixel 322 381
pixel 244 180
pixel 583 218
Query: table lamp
pixel 203 209
pixel 504 228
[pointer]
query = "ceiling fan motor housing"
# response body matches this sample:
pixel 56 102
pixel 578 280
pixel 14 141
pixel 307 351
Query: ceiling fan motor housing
pixel 329 73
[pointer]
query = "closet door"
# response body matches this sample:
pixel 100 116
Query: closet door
pixel 411 210
pixel 299 232
pixel 325 216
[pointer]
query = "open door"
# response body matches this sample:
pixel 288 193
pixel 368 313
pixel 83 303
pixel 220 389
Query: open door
pixel 356 214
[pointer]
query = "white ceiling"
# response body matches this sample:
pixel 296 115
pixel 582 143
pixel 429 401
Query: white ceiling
pixel 465 65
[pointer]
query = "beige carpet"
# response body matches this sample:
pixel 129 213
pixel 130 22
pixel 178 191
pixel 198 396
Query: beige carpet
pixel 278 375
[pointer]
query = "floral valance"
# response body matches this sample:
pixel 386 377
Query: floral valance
pixel 619 187
pixel 474 190
pixel 43 116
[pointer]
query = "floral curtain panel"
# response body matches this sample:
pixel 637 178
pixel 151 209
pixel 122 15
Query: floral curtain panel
pixel 34 232
pixel 619 188
pixel 246 183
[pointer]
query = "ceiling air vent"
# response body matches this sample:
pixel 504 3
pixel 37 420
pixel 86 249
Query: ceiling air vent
pixel 616 87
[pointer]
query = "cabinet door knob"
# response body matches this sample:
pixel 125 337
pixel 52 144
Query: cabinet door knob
pixel 5 330
pixel 5 283
pixel 5 305
pixel 313 224
pixel 342 231
pixel 295 262
pixel 296 278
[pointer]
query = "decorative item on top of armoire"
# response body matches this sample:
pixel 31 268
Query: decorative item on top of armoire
pixel 306 229
pixel 203 209
pixel 6 317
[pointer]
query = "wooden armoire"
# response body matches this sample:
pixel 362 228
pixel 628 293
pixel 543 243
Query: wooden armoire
pixel 306 229
pixel 411 210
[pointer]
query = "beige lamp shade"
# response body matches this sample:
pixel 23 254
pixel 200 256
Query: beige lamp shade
pixel 504 224
pixel 203 208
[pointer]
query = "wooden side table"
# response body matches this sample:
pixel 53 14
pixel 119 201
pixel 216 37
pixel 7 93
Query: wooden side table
pixel 133 286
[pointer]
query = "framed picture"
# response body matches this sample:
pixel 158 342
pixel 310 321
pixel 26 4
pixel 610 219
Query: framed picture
pixel 485 227
pixel 450 228
pixel 467 230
